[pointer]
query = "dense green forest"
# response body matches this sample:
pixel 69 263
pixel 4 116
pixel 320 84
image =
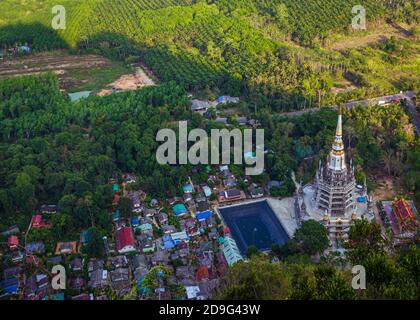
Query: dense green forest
pixel 271 52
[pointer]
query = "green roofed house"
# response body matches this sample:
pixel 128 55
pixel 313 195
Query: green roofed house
pixel 116 215
pixel 207 191
pixel 231 251
pixel 115 187
pixel 188 188
pixel 145 227
pixel 179 209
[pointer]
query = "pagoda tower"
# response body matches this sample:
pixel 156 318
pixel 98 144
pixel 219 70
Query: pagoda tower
pixel 335 182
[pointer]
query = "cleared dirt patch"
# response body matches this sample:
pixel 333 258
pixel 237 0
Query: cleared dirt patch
pixel 379 34
pixel 128 82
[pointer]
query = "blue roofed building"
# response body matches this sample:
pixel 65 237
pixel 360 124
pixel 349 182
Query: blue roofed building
pixel 134 221
pixel 179 237
pixel 204 215
pixel 10 286
pixel 168 242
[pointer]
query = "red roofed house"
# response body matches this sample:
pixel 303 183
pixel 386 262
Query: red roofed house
pixel 116 199
pixel 202 273
pixel 125 240
pixel 13 242
pixel 231 195
pixel 404 215
pixel 37 222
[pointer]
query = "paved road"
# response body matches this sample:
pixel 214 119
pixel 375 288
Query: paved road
pixel 408 95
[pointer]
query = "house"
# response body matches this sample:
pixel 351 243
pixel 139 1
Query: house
pixel 231 195
pixel 13 272
pixel 148 246
pixel 146 227
pixel 95 264
pixel 162 218
pixel 116 215
pixel 116 200
pixel 160 258
pixel 37 222
pixel 16 256
pixel 13 242
pixel 150 212
pixel 201 105
pixel 207 191
pixel 231 251
pixel 125 240
pixel 168 242
pixel 49 208
pixel 193 293
pixel 227 99
pixel 242 121
pixel 130 178
pixel 77 283
pixel 178 237
pixel 76 264
pixel 188 188
pixel 35 247
pixel 83 297
pixel 10 286
pixel 204 215
pixel 118 261
pixel 66 248
pixel 229 181
pixel 221 120
pixel 255 191
pixel 121 280
pixel 180 209
pixel 187 197
pixel 168 229
pixel 134 222
pixel 115 187
pixel 139 261
pixel 154 203
pixel 98 279
pixel 30 287
pixel 202 273
pixel 134 196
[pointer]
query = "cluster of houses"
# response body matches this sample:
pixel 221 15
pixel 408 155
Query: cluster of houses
pixel 184 234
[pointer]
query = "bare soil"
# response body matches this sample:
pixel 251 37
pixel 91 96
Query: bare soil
pixel 129 82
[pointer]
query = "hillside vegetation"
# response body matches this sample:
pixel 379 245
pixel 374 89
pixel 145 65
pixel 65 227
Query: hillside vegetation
pixel 270 51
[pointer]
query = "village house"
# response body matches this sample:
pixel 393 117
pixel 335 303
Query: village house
pixel 121 281
pixel 35 247
pixel 162 218
pixel 76 264
pixel 77 283
pixel 124 238
pixel 231 195
pixel 49 209
pixel 118 261
pixel 160 258
pixel 98 278
pixel 13 242
pixel 66 248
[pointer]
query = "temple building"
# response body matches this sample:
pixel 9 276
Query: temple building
pixel 335 182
